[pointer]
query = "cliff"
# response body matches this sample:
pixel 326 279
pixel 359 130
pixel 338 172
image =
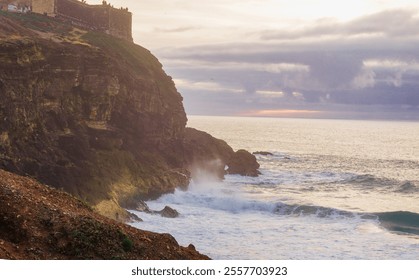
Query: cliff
pixel 39 222
pixel 94 115
pixel 89 113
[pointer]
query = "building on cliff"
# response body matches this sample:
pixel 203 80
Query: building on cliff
pixel 22 6
pixel 104 18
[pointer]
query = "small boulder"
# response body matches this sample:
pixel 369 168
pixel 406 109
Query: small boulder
pixel 263 153
pixel 243 163
pixel 168 212
pixel 134 218
pixel 142 207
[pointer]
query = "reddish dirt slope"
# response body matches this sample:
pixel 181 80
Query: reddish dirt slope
pixel 39 222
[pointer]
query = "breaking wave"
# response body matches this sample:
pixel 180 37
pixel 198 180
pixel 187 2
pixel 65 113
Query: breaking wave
pixel 369 181
pixel 407 187
pixel 397 221
pixel 400 221
pixel 230 201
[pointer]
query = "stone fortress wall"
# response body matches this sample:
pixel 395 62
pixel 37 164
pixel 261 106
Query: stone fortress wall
pixel 44 7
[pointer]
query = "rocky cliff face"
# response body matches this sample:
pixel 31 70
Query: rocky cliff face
pixel 92 114
pixel 83 111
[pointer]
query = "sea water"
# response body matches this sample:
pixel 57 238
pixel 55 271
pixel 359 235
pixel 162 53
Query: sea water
pixel 333 189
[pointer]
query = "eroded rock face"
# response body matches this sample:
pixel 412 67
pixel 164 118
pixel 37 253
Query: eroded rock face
pixel 92 114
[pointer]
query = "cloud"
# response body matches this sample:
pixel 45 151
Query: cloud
pixel 391 24
pixel 176 29
pixel 205 86
pixel 270 93
pixel 370 61
pixel 365 79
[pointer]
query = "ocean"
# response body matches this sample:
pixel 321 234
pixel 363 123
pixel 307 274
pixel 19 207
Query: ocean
pixel 333 189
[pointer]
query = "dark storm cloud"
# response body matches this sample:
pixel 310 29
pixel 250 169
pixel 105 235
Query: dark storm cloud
pixel 370 61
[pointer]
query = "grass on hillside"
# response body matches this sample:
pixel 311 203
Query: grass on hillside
pixel 39 22
pixel 136 56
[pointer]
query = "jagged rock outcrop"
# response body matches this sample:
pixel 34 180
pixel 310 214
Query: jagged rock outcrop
pixel 209 156
pixel 206 155
pixel 243 163
pixel 40 222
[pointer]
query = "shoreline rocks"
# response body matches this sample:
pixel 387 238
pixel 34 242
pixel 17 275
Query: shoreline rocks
pixel 166 212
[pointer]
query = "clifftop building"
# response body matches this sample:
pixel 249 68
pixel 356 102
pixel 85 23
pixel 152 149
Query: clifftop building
pixel 104 18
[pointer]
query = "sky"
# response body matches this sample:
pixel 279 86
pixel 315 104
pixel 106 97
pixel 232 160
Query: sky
pixel 281 58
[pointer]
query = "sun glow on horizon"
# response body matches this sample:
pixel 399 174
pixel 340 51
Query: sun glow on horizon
pixel 285 113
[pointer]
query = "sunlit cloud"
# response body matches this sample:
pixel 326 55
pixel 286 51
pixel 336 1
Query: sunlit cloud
pixel 270 93
pixel 237 66
pixel 412 65
pixel 205 86
pixel 395 24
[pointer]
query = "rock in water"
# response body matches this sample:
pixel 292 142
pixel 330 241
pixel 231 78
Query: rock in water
pixel 263 153
pixel 169 212
pixel 243 163
pixel 206 154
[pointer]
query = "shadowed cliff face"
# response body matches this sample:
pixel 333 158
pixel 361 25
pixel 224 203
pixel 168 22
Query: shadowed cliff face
pixel 89 113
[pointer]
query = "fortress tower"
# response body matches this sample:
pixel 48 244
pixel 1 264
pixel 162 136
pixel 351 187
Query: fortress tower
pixel 104 18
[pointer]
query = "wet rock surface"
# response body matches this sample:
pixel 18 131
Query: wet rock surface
pixel 167 211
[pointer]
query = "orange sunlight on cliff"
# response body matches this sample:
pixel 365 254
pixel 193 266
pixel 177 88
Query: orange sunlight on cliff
pixel 283 113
